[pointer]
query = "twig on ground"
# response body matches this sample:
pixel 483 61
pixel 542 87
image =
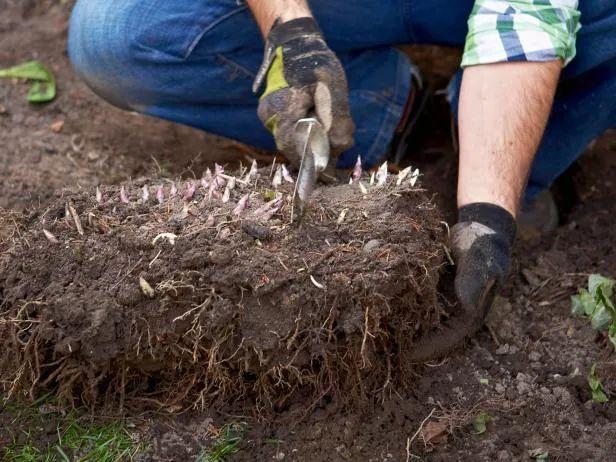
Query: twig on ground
pixel 410 440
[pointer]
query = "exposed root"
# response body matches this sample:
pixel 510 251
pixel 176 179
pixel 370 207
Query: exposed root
pixel 170 297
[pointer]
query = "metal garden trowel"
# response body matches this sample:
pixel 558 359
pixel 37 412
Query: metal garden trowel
pixel 313 149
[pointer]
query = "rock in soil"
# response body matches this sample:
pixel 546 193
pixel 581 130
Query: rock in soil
pixel 213 294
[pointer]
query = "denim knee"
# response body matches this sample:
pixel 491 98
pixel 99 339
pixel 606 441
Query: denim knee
pixel 99 49
pixel 139 53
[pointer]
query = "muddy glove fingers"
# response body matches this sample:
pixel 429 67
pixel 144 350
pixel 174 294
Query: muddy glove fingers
pixel 481 243
pixel 303 77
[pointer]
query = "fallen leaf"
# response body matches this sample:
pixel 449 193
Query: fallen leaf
pixel 434 431
pixel 50 237
pixel 43 88
pixel 57 127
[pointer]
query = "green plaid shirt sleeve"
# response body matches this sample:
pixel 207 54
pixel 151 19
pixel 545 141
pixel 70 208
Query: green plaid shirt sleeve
pixel 521 30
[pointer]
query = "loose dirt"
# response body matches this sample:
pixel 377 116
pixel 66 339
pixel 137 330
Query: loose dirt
pixel 527 368
pixel 216 295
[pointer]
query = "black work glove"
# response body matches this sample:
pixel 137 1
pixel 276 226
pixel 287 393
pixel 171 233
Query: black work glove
pixel 481 244
pixel 304 77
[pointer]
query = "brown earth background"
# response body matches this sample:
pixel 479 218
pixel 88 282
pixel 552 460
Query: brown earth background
pixel 527 368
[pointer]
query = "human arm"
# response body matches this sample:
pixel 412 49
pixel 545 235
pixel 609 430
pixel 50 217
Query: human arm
pixel 302 77
pixel 513 59
pixel 266 12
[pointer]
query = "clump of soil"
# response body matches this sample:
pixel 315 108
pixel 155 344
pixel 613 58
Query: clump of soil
pixel 197 299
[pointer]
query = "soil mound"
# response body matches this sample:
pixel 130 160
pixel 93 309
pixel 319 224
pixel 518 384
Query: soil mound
pixel 204 291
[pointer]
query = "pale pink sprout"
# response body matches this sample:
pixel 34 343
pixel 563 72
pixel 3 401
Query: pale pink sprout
pixel 214 193
pixel 252 172
pixel 211 221
pixel 205 184
pixel 174 190
pixel 267 211
pixel 220 181
pixel 381 175
pixel 190 190
pixel 286 175
pixel 124 195
pixel 50 237
pixel 277 181
pixel 226 195
pixel 241 205
pixel 160 194
pixel 145 195
pixel 219 172
pixel 357 171
pixel 99 195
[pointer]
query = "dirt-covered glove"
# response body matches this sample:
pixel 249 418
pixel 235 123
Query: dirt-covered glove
pixel 304 77
pixel 481 243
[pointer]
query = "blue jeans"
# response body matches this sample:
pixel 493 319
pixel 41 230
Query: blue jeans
pixel 193 62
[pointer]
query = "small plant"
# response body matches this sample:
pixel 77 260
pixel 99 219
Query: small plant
pixel 596 304
pixel 43 87
pixel 596 387
pixel 226 444
pixel 538 454
pixel 480 423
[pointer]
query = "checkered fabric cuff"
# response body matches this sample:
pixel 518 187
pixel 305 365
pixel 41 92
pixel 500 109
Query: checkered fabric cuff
pixel 521 30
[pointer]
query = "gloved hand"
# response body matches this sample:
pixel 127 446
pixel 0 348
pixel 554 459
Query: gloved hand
pixel 481 244
pixel 303 77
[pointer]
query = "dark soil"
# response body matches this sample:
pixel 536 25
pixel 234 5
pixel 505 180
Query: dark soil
pixel 98 301
pixel 527 368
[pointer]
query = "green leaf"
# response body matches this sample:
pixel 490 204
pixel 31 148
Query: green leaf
pixel 480 423
pixel 597 282
pixel 588 302
pixel 32 70
pixel 44 87
pixel 577 308
pixel 42 92
pixel 593 380
pixel 598 395
pixel 539 454
pixel 601 317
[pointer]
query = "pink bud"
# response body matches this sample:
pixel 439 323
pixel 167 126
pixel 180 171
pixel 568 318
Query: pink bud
pixel 160 194
pixel 357 171
pixel 145 194
pixel 241 205
pixel 190 191
pixel 123 195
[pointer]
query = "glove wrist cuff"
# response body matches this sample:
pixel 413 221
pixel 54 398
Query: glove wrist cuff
pixel 490 215
pixel 284 32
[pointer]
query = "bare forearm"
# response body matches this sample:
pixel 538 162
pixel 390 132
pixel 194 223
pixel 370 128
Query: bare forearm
pixel 267 11
pixel 503 112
